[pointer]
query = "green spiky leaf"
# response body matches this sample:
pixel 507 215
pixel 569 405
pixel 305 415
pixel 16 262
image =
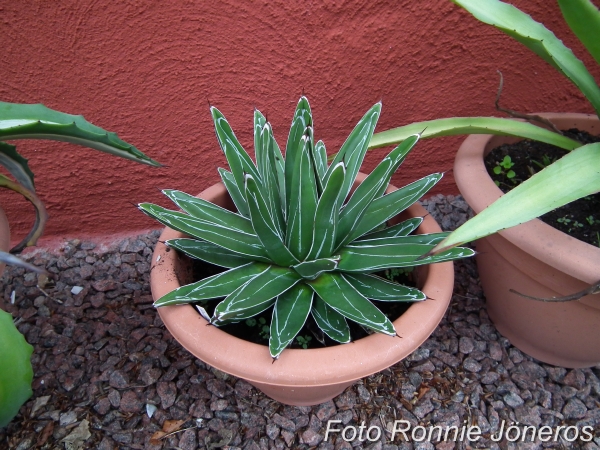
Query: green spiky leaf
pixel 289 315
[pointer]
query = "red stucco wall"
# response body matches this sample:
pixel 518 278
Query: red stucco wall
pixel 147 70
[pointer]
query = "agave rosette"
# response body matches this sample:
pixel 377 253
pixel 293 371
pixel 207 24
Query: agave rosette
pixel 295 244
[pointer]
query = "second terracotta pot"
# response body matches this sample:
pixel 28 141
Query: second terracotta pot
pixel 300 377
pixel 535 259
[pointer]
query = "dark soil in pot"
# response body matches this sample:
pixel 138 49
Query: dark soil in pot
pixel 511 164
pixel 256 330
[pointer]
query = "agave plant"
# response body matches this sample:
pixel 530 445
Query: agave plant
pixel 295 244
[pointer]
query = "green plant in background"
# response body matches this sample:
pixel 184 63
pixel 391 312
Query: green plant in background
pixel 19 121
pixel 16 373
pixel 504 167
pixel 295 245
pixel 571 177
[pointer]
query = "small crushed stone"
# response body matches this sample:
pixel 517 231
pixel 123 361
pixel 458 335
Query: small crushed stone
pixel 108 375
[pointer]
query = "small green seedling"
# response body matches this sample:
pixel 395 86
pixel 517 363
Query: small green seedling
pixel 590 220
pixel 504 167
pixel 304 341
pixel 546 161
pixel 265 331
pixel 572 224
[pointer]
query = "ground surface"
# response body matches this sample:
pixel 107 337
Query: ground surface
pixel 103 359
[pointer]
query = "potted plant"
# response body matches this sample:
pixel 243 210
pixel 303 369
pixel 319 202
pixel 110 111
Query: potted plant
pixel 304 238
pixel 21 121
pixel 533 258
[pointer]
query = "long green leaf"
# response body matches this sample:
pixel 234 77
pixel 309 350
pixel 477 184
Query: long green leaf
pixel 270 178
pixel 471 125
pixel 378 257
pixel 303 204
pixel 392 204
pixel 209 252
pixel 372 187
pixel 260 152
pixel 302 119
pixel 326 215
pixel 574 176
pixel 231 239
pixel 239 161
pixel 41 215
pixel 265 226
pixel 584 20
pixel 256 295
pixel 377 288
pixel 537 38
pixel 234 192
pixel 320 159
pixel 16 373
pixel 335 290
pixel 289 315
pixel 216 286
pixel 201 209
pixel 16 165
pixel 19 121
pixel 403 228
pixel 354 148
pixel 330 321
pixel 428 239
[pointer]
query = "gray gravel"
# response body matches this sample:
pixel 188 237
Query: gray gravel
pixel 103 361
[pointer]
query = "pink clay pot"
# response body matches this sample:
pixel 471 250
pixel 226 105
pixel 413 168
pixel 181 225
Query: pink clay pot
pixel 534 259
pixel 299 377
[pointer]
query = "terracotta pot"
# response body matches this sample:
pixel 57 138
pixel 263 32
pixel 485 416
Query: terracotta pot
pixel 4 236
pixel 299 377
pixel 535 259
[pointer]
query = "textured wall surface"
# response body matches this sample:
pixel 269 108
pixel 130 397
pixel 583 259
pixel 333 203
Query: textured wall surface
pixel 148 69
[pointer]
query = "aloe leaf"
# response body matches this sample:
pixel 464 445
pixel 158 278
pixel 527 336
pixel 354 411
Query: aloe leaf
pixel 312 269
pixel 16 373
pixel 340 295
pixel 264 225
pixel 239 161
pixel 537 38
pixel 231 239
pixel 330 321
pixel 400 229
pixel 234 192
pixel 302 119
pixel 209 252
pixel 471 125
pixel 372 187
pixel 354 148
pixel 256 295
pixel 326 214
pixel 377 288
pixel 584 20
pixel 384 208
pixel 41 216
pixel 19 121
pixel 201 209
pixel 16 165
pixel 216 286
pixel 289 316
pixel 373 258
pixel 573 176
pixel 303 204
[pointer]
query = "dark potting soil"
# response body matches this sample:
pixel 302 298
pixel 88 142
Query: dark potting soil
pixel 581 218
pixel 256 329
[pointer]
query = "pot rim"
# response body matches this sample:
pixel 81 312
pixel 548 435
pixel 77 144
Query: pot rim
pixel 296 367
pixel 535 237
